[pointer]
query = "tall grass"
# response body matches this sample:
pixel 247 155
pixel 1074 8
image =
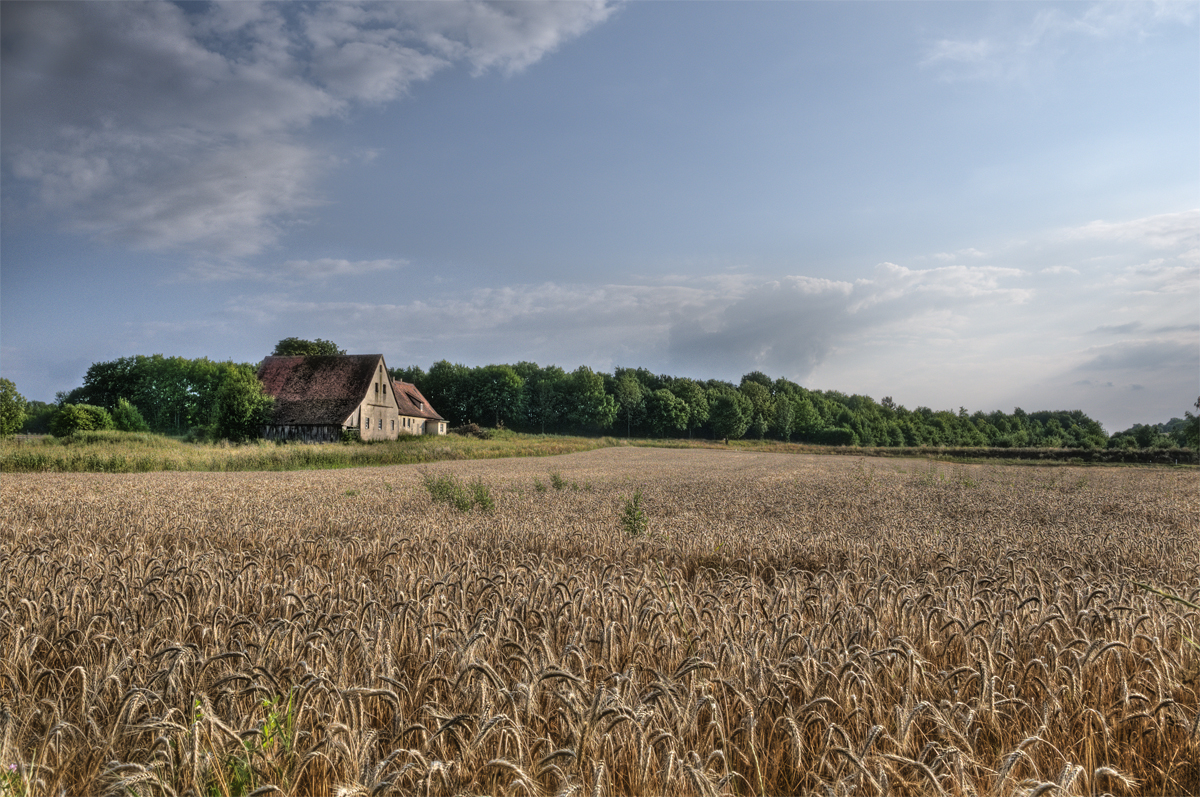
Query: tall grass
pixel 121 452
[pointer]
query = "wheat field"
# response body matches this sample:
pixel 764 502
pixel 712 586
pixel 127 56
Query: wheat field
pixel 617 622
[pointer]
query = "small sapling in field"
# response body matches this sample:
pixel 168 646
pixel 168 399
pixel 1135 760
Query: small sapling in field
pixel 633 517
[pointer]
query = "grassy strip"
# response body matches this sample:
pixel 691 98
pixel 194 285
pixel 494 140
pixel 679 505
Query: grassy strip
pixel 117 452
pixel 122 452
pixel 1071 456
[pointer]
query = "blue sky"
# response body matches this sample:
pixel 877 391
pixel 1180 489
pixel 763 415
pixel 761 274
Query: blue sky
pixel 986 205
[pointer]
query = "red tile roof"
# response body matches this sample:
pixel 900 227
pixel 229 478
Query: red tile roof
pixel 317 390
pixel 412 403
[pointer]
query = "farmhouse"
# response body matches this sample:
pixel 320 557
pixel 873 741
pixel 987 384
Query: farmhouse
pixel 318 398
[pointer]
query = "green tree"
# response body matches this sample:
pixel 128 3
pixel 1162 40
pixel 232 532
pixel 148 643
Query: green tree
pixel 127 418
pixel 758 426
pixel 447 386
pixel 630 398
pixel 37 417
pixel 293 347
pixel 413 374
pixel 12 408
pixel 498 391
pixel 667 413
pixel 785 418
pixel 731 415
pixel 696 399
pixel 545 400
pixel 72 418
pixel 808 420
pixel 586 404
pixel 241 408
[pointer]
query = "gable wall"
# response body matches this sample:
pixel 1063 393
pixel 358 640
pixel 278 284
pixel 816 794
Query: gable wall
pixel 377 417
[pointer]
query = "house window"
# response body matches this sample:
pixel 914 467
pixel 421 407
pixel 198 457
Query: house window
pixel 368 422
pixel 393 425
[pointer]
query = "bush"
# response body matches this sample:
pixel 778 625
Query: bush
pixel 633 517
pixel 838 436
pixel 472 430
pixel 447 490
pixel 72 418
pixel 127 418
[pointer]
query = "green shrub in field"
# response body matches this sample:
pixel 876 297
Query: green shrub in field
pixel 557 481
pixel 633 517
pixel 72 418
pixel 483 497
pixel 448 490
pixel 127 418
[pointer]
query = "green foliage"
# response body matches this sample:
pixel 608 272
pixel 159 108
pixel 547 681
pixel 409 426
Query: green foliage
pixel 667 414
pixel 838 436
pixel 497 394
pixel 127 418
pixel 12 408
pixel 37 417
pixel 74 418
pixel 297 347
pixel 758 427
pixel 630 398
pixel 12 782
pixel 694 397
pixel 448 490
pixel 241 408
pixel 633 518
pixel 482 496
pixel 731 415
pixel 557 481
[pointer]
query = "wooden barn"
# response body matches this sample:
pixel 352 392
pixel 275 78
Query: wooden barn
pixel 318 398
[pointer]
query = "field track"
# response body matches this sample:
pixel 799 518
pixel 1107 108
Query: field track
pixel 781 624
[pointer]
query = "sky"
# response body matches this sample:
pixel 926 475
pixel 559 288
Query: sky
pixel 980 205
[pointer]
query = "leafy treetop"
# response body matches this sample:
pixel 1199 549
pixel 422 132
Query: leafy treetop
pixel 293 347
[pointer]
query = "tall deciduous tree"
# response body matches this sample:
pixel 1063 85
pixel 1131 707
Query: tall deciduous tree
pixel 12 408
pixel 630 398
pixel 587 405
pixel 241 408
pixel 667 413
pixel 696 399
pixel 497 391
pixel 731 414
pixel 292 347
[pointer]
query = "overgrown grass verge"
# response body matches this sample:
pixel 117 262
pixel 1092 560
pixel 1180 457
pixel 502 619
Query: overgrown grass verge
pixel 1072 456
pixel 120 452
pixel 126 452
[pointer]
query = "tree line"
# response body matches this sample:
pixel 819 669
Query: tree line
pixel 636 402
pixel 198 398
pixel 224 400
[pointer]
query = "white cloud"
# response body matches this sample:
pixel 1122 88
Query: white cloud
pixel 1165 231
pixel 290 273
pixel 171 128
pixel 1013 53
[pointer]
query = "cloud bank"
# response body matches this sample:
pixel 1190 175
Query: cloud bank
pixel 167 127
